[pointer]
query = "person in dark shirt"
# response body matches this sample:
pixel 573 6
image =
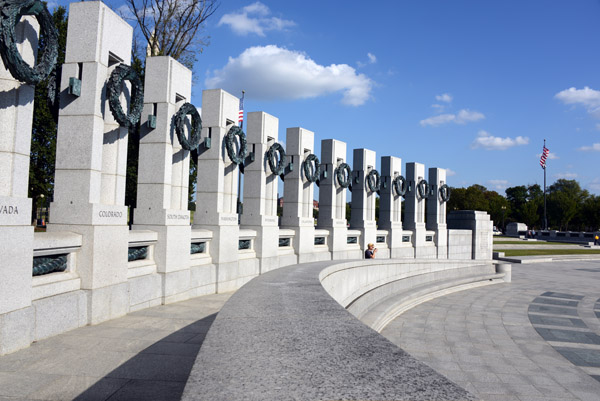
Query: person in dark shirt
pixel 370 252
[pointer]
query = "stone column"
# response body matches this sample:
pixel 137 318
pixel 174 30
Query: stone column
pixel 298 195
pixel 163 172
pixel 16 232
pixel 436 211
pixel 363 200
pixel 332 199
pixel 481 228
pixel 260 190
pixel 390 209
pixel 217 189
pixel 91 158
pixel 414 211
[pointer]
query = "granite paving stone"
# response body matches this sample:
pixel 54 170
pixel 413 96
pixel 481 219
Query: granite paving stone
pixel 554 301
pixel 553 298
pixel 111 359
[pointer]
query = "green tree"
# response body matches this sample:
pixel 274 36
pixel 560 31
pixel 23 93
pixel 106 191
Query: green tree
pixel 565 198
pixel 590 213
pixel 43 133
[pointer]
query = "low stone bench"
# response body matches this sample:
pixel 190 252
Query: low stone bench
pixel 283 336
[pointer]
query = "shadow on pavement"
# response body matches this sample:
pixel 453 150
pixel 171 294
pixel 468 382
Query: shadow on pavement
pixel 158 372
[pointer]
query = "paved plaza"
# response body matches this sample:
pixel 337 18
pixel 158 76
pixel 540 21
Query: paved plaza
pixel 146 355
pixel 536 338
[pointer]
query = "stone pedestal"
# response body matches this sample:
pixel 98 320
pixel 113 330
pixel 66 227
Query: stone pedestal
pixel 260 190
pixel 298 196
pixel 217 189
pixel 332 199
pixel 363 200
pixel 414 212
pixel 390 208
pixel 436 211
pixel 481 228
pixel 163 172
pixel 91 158
pixel 16 232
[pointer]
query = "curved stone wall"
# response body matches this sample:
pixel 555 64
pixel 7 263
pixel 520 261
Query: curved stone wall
pixel 286 335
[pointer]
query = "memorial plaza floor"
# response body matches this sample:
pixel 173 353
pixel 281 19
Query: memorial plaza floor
pixel 537 338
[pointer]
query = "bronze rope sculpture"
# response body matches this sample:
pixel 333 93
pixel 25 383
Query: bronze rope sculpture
pixel 240 156
pixel 11 12
pixel 194 139
pixel 277 166
pixel 312 168
pixel 113 91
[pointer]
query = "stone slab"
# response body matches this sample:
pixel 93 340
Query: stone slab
pixel 268 343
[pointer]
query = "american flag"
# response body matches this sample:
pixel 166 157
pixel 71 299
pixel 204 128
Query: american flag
pixel 241 112
pixel 545 153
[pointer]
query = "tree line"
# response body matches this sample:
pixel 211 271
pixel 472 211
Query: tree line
pixel 568 206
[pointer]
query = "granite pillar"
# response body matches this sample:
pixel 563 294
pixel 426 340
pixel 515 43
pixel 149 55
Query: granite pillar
pixel 91 158
pixel 260 190
pixel 362 215
pixel 16 231
pixel 163 171
pixel 436 211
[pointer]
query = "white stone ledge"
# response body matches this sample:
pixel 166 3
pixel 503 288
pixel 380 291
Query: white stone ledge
pixel 55 243
pixel 53 284
pixel 142 237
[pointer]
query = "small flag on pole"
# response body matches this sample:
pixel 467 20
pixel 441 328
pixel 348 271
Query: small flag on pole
pixel 545 153
pixel 241 112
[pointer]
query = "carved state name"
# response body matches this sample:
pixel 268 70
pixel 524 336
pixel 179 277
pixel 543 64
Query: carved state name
pixel 178 217
pixel 109 213
pixel 7 209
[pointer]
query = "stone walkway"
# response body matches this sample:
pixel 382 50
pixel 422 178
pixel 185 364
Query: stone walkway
pixel 537 338
pixel 146 355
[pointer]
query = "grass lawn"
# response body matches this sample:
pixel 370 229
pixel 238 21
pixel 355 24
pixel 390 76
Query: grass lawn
pixel 533 243
pixel 533 252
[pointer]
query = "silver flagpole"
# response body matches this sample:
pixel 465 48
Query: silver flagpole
pixel 545 218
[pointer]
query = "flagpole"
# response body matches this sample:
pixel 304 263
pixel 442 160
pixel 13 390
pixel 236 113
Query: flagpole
pixel 545 219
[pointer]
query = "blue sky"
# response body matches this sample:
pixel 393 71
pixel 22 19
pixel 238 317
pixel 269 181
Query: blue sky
pixel 471 86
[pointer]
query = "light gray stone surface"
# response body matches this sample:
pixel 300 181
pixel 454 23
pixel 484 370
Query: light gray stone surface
pixel 298 194
pixel 332 198
pixel 436 211
pixel 146 355
pixel 282 337
pixel 362 205
pixel 485 339
pixel 481 227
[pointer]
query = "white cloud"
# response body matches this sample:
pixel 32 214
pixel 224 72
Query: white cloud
pixel 587 97
pixel 450 173
pixel 125 13
pixel 489 142
pixel 594 147
pixel 551 156
pixel 462 117
pixel 254 18
pixel 372 60
pixel 274 73
pixel 567 176
pixel 594 185
pixel 444 97
pixel 499 185
pixel 438 120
